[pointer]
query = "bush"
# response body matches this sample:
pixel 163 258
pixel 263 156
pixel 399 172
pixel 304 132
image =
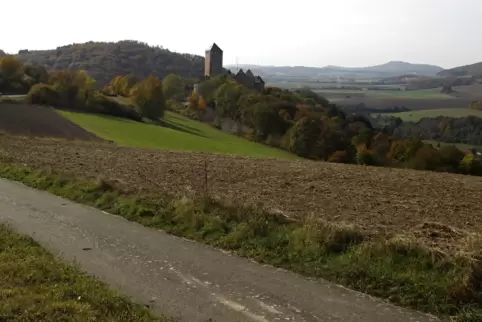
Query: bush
pixel 451 156
pixel 217 123
pixel 104 105
pixel 273 140
pixel 471 164
pixel 175 106
pixel 43 94
pixel 426 158
pixel 338 157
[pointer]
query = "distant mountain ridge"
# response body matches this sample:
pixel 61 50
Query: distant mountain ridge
pixel 474 70
pixel 393 68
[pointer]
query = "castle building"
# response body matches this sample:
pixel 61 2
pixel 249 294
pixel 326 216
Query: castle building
pixel 213 61
pixel 213 66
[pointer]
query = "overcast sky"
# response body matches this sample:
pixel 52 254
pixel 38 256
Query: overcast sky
pixel 267 32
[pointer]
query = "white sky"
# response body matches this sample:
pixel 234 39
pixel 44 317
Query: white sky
pixel 266 32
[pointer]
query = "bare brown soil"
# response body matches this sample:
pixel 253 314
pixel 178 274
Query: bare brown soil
pixel 40 121
pixel 473 91
pixel 442 209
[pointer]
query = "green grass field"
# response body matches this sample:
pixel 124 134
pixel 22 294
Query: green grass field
pixel 35 286
pixel 461 146
pixel 338 91
pixel 414 116
pixel 178 133
pixel 427 94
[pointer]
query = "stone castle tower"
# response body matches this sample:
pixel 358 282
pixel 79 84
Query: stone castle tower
pixel 213 63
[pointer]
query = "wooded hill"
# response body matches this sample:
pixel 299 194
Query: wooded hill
pixel 106 60
pixel 474 70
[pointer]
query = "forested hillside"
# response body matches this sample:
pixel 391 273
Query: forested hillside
pixel 104 61
pixel 445 129
pixel 468 70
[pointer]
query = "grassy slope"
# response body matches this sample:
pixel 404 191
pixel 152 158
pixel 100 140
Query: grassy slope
pixel 180 133
pixel 34 286
pixel 414 116
pixel 399 270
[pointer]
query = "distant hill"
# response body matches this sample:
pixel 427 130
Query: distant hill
pixel 474 70
pixel 393 68
pixel 2 53
pixel 105 60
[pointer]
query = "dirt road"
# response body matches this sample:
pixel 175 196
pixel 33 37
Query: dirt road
pixel 181 278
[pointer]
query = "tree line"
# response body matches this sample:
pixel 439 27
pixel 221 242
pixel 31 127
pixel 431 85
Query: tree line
pixel 77 90
pixel 309 126
pixel 467 130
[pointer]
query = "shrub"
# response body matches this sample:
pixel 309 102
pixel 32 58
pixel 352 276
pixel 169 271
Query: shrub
pixel 451 156
pixel 426 158
pixel 471 164
pixel 273 140
pixel 43 94
pixel 365 157
pixel 338 157
pixel 217 123
pixel 104 105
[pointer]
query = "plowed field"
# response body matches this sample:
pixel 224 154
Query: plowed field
pixel 41 121
pixel 377 199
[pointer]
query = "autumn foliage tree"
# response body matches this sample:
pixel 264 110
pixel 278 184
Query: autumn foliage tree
pixel 303 136
pixel 202 104
pixel 193 101
pixel 149 98
pixel 173 87
pixel 73 87
pixel 122 85
pixel 10 67
pixel 12 76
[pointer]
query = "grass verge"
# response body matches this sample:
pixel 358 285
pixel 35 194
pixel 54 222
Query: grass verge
pixel 397 269
pixel 35 286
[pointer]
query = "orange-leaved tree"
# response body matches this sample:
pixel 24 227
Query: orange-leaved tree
pixel 149 98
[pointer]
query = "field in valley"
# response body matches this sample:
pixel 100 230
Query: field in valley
pixel 461 146
pixel 383 200
pixel 414 116
pixel 386 97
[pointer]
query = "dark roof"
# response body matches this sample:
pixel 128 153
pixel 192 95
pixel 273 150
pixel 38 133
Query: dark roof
pixel 249 73
pixel 258 79
pixel 240 72
pixel 215 47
